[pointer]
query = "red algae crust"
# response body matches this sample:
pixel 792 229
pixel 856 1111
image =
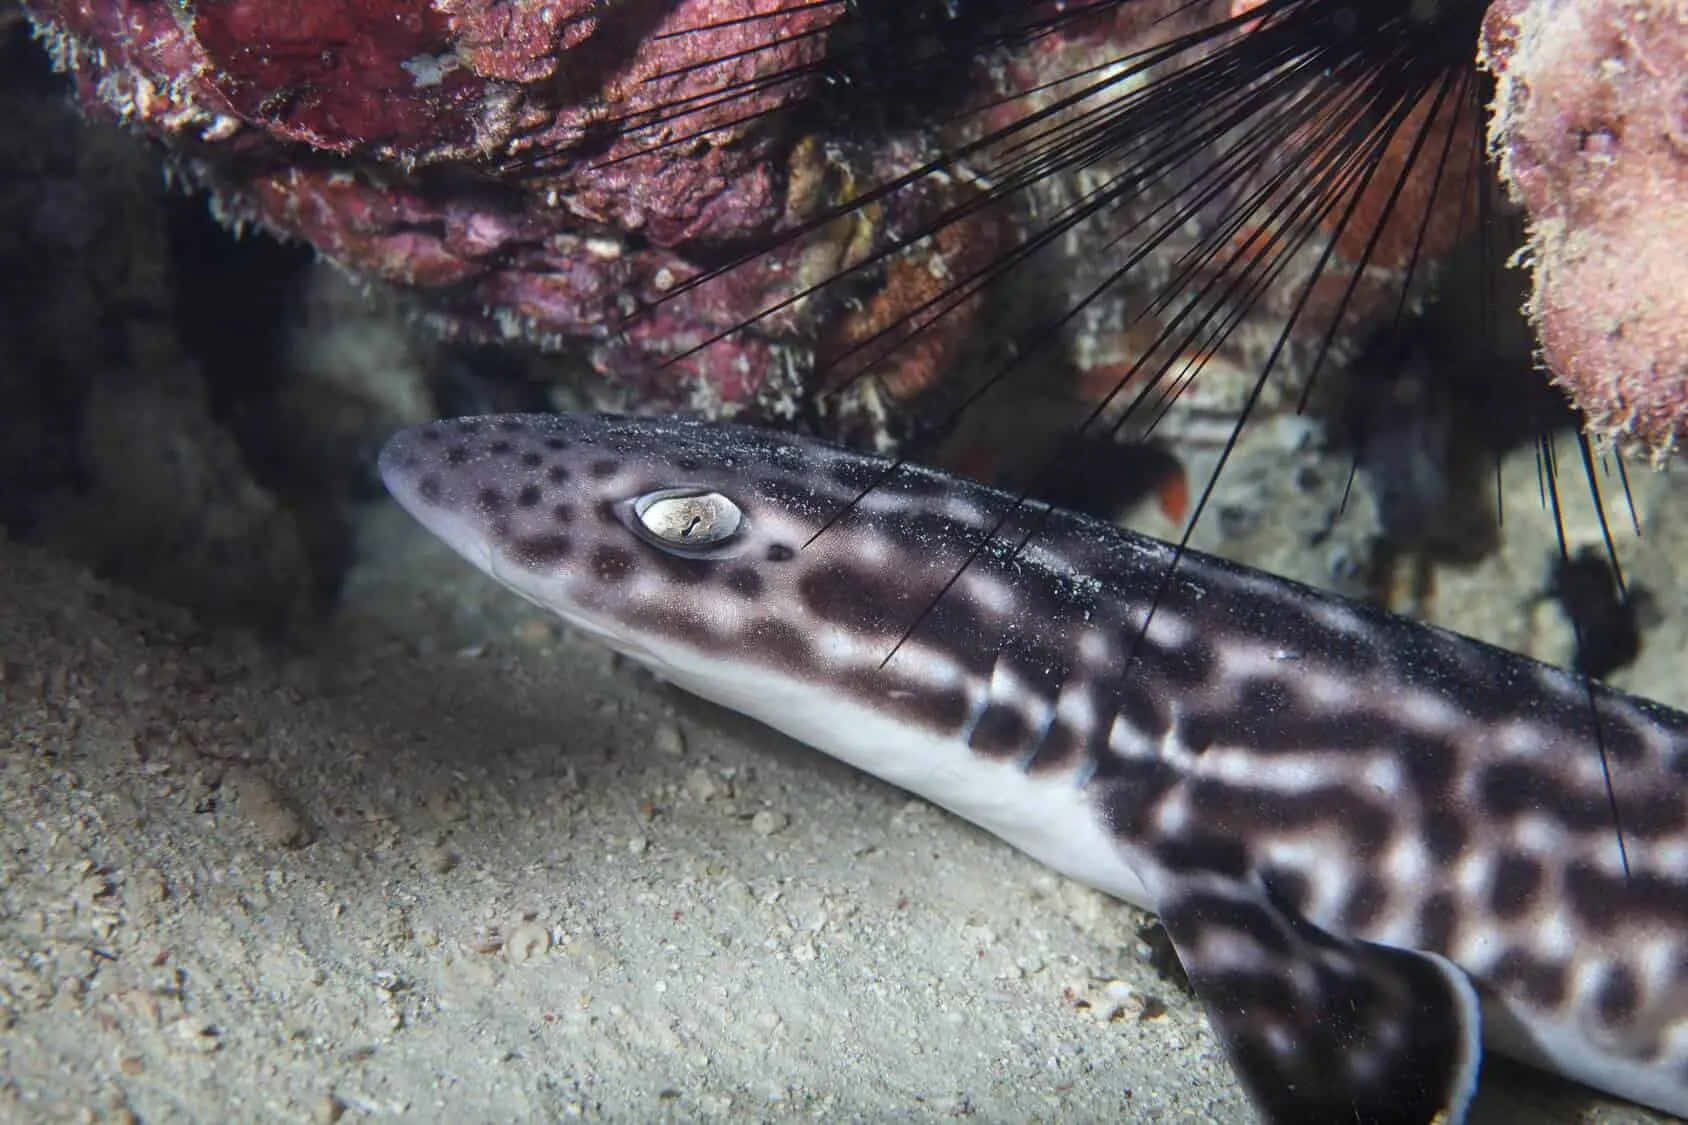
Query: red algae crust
pixel 483 151
pixel 558 173
pixel 1591 131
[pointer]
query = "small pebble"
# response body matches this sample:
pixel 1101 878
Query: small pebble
pixel 638 845
pixel 277 819
pixel 437 860
pixel 669 739
pixel 536 631
pixel 701 785
pixel 446 806
pixel 1120 1001
pixel 767 822
pixel 149 887
pixel 526 941
pixel 195 1034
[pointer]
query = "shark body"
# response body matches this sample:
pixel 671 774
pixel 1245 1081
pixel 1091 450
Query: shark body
pixel 1374 845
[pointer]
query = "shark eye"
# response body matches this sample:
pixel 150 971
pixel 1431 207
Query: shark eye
pixel 687 518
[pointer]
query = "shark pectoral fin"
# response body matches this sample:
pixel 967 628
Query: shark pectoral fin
pixel 1322 1028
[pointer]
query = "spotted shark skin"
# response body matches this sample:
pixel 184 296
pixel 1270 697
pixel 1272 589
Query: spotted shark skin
pixel 1374 845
